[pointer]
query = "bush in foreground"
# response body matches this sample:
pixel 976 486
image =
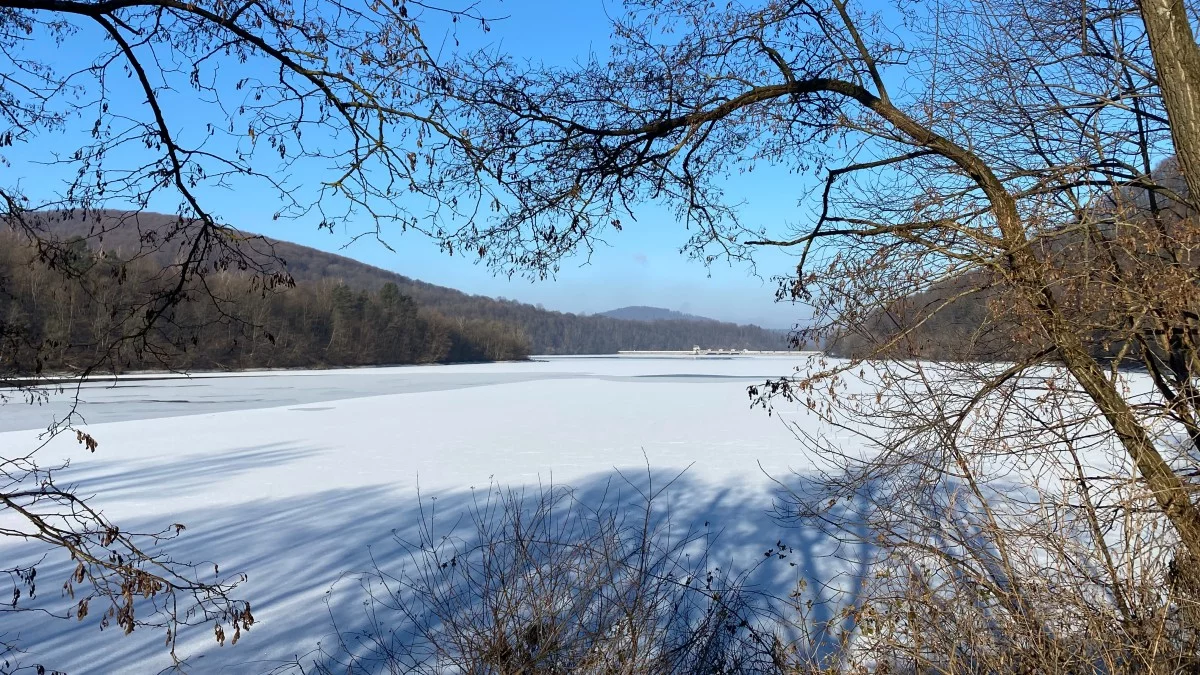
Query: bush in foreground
pixel 543 582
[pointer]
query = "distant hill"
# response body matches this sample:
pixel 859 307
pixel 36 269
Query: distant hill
pixel 644 313
pixel 548 332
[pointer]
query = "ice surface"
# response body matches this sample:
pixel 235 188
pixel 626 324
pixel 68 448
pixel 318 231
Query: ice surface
pixel 299 478
pixel 147 396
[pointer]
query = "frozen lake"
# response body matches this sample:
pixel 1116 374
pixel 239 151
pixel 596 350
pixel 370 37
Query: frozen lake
pixel 298 478
pixel 141 397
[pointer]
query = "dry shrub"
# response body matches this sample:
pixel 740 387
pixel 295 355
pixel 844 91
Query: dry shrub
pixel 1014 535
pixel 546 582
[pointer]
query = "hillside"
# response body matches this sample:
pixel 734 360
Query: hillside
pixel 548 332
pixel 966 318
pixel 88 313
pixel 644 313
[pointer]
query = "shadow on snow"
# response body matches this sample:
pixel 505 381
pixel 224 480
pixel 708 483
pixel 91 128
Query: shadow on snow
pixel 302 555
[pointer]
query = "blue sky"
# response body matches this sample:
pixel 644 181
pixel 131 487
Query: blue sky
pixel 641 265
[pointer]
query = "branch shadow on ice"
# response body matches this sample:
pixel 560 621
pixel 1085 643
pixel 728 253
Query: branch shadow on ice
pixel 312 561
pixel 644 571
pixel 189 473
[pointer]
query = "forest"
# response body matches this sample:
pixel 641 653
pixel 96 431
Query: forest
pixel 964 317
pixel 76 316
pixel 345 288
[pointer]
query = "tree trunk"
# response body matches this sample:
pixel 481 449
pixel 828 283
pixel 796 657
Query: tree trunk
pixel 1170 492
pixel 1177 61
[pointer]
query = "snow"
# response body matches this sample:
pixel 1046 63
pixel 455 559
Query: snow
pixel 299 478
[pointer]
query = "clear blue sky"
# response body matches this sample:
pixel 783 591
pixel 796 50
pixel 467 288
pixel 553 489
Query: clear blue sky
pixel 639 266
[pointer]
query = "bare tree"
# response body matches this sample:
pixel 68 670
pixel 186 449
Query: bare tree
pixel 988 151
pixel 165 105
pixel 1177 62
pixel 1003 152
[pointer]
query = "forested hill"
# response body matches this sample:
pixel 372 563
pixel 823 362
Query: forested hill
pixel 86 313
pixel 548 332
pixel 643 313
pixel 967 317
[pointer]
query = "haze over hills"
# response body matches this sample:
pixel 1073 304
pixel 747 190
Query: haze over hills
pixel 549 332
pixel 644 313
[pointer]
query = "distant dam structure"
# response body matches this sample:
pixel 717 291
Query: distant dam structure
pixel 701 351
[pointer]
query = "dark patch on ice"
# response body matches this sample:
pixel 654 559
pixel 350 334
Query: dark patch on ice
pixel 705 376
pixel 675 358
pixel 328 407
pixel 127 401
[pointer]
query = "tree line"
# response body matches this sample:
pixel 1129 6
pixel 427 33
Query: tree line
pixel 565 333
pixel 548 332
pixel 73 317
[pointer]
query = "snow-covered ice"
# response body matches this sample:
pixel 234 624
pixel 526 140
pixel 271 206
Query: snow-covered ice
pixel 296 478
